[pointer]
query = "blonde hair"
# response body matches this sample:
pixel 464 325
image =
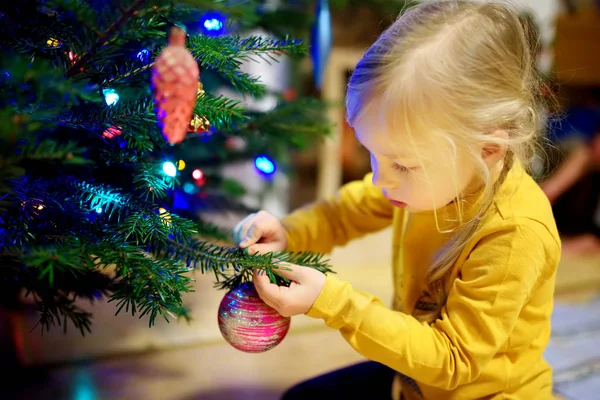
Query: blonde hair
pixel 460 71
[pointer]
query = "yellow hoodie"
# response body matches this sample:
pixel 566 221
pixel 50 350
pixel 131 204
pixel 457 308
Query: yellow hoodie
pixel 488 342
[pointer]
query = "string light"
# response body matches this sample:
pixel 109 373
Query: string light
pixel 53 42
pixel 143 55
pixel 99 210
pixel 110 96
pixel 265 165
pixel 111 132
pixel 189 188
pixel 165 217
pixel 180 165
pixel 197 174
pixel 213 23
pixel 169 169
pixel 73 57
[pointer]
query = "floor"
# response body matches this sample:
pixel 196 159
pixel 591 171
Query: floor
pixel 216 371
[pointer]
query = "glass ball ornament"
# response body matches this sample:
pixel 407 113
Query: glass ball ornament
pixel 248 323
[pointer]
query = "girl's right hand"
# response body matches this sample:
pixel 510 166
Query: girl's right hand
pixel 260 233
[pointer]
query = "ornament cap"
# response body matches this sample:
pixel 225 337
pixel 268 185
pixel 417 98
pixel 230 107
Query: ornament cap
pixel 177 36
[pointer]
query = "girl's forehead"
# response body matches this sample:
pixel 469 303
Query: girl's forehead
pixel 384 143
pixel 402 146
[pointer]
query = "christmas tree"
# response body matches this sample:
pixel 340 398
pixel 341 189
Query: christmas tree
pixel 87 180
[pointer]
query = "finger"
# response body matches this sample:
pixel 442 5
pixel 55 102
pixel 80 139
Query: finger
pixel 263 248
pixel 254 233
pixel 267 291
pixel 239 231
pixel 242 226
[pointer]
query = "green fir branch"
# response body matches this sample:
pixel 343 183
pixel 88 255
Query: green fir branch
pixel 57 310
pixel 145 285
pixel 220 111
pixel 271 263
pixel 151 185
pixel 135 30
pixel 97 196
pixel 104 36
pixel 132 113
pixel 52 150
pixel 297 123
pixel 128 71
pixel 46 81
pixel 135 119
pixel 232 266
pixel 146 226
pixel 53 260
pixel 226 54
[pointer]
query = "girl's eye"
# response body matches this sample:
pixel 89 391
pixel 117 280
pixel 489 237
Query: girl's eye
pixel 402 168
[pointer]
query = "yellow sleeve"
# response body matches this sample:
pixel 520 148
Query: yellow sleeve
pixel 483 305
pixel 358 209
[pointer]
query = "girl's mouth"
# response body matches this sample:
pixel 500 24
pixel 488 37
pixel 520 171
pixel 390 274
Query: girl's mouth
pixel 398 203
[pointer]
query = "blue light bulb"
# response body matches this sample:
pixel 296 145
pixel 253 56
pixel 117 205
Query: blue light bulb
pixel 264 165
pixel 143 55
pixel 189 188
pixel 213 24
pixel 110 96
pixel 169 169
pixel 99 210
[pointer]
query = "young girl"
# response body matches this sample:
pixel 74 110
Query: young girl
pixel 446 103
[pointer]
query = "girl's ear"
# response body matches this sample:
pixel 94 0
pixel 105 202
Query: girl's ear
pixel 494 152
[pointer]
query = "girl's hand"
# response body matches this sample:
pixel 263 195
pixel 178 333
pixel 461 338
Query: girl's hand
pixel 296 299
pixel 260 233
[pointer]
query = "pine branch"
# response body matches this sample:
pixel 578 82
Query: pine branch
pixel 150 184
pixel 40 87
pixel 135 119
pixel 296 123
pixel 49 261
pixel 57 310
pixel 145 226
pixel 226 54
pixel 128 71
pixel 218 260
pixel 147 286
pixel 124 113
pixel 52 150
pixel 104 36
pixel 97 196
pixel 220 111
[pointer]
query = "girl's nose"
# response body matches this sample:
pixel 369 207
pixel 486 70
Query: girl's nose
pixel 381 181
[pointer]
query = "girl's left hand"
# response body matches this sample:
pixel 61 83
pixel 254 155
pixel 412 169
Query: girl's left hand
pixel 299 297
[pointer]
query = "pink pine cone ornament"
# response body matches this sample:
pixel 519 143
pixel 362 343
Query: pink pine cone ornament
pixel 248 323
pixel 175 78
